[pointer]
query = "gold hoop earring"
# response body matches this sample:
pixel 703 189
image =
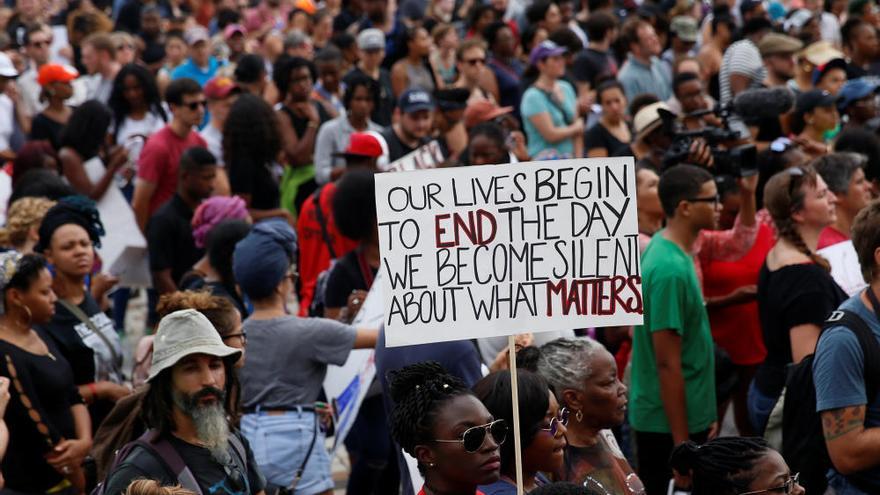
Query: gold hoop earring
pixel 579 415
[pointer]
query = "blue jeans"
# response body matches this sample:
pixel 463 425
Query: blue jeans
pixel 280 443
pixel 760 406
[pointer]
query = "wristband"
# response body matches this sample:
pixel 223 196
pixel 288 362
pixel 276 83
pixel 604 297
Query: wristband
pixel 93 390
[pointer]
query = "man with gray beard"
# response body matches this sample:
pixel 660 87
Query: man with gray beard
pixel 189 441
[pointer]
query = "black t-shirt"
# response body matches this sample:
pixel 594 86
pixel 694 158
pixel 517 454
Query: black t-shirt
pixel 256 179
pixel 385 106
pixel 790 296
pixel 347 275
pixel 44 128
pixel 301 124
pixel 170 240
pixel 599 137
pixel 86 352
pixel 397 148
pixel 210 474
pixel 48 385
pixel 590 65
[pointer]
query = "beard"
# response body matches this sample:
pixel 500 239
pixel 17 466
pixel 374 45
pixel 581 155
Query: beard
pixel 212 427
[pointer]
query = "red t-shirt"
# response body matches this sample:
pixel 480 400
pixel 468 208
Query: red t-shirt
pixel 314 257
pixel 737 328
pixel 831 236
pixel 160 159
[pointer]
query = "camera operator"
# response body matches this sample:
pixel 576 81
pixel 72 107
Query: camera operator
pixel 691 95
pixel 653 139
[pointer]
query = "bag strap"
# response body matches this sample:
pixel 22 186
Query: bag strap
pixel 568 118
pixel 162 450
pixel 322 221
pixel 867 341
pixel 302 467
pixel 366 271
pixel 85 320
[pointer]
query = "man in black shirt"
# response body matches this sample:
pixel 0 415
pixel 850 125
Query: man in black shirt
pixel 169 232
pixel 415 124
pixel 190 442
pixel 596 63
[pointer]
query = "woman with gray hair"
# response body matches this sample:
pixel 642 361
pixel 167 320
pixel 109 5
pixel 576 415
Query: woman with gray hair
pixel 845 175
pixel 583 375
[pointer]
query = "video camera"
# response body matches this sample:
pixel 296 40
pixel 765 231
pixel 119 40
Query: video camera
pixel 738 161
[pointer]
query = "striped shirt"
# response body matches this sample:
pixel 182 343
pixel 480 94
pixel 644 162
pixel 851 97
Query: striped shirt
pixel 741 58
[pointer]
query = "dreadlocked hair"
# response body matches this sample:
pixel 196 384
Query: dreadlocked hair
pixel 782 198
pixel 721 466
pixel 418 392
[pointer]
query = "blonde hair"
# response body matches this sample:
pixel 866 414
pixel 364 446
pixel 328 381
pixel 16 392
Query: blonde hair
pixel 24 214
pixel 152 487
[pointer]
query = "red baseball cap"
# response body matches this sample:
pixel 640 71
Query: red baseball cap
pixel 50 73
pixel 483 111
pixel 362 144
pixel 220 87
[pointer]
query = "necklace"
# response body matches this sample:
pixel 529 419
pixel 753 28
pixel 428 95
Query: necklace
pixel 47 354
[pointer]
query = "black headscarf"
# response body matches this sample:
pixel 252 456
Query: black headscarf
pixel 78 210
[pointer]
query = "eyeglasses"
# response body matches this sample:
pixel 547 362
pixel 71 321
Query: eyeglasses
pixel 242 336
pixel 560 419
pixel 194 105
pixel 474 437
pixel 714 200
pixel 475 61
pixel 785 488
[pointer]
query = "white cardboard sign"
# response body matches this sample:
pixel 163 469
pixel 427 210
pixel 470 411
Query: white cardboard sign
pixel 502 249
pixel 845 267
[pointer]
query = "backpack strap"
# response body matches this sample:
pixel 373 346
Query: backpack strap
pixel 867 341
pixel 161 450
pixel 322 221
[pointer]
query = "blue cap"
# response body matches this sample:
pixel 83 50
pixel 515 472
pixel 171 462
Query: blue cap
pixel 856 89
pixel 413 100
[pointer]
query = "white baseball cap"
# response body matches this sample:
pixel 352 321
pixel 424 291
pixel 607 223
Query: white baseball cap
pixel 6 67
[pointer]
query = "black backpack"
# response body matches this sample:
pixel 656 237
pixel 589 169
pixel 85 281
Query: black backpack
pixel 803 441
pixel 161 455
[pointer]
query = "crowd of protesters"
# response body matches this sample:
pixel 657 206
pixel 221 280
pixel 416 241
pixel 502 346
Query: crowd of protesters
pixel 239 141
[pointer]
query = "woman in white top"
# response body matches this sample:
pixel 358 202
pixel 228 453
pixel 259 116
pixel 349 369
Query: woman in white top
pixel 85 139
pixel 137 109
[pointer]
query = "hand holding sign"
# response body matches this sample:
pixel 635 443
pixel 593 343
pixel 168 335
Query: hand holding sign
pixel 495 250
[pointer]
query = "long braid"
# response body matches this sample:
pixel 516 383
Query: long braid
pixel 417 391
pixel 782 198
pixel 788 231
pixel 721 466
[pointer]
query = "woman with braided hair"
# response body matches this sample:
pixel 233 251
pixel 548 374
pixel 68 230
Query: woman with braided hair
pixel 449 432
pixel 734 466
pixel 795 289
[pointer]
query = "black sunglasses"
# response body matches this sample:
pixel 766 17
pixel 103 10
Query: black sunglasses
pixel 474 437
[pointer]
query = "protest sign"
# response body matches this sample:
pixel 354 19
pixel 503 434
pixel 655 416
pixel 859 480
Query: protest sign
pixel 123 248
pixel 504 249
pixel 427 156
pixel 845 267
pixel 347 385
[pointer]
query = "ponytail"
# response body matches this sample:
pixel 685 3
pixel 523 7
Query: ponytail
pixel 719 467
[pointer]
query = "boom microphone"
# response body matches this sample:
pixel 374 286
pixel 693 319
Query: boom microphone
pixel 763 103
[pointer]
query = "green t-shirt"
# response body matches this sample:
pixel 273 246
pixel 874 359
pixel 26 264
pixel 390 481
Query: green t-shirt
pixel 672 301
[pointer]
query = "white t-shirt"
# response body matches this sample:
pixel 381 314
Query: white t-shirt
pixel 214 138
pixel 7 121
pixel 134 133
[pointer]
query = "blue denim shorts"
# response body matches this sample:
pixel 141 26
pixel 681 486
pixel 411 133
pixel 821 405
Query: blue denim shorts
pixel 280 443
